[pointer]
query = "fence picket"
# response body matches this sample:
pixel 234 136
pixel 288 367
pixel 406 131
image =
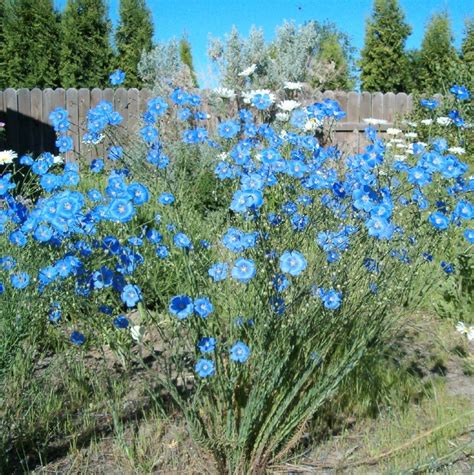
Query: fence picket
pixel 37 118
pixel 26 114
pixel 72 106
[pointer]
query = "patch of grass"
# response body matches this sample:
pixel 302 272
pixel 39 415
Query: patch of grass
pixel 420 437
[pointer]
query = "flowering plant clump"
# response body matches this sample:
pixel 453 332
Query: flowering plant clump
pixel 260 306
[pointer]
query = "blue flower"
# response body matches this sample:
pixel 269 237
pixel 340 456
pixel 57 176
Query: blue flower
pixel 131 295
pixel 244 200
pixel 379 227
pixel 240 352
pixel 97 165
pixel 120 210
pixel 469 235
pixel 455 116
pixel 20 280
pixel 464 210
pixel 182 241
pixel 64 143
pixel 115 152
pixel 447 267
pixel 439 220
pixel 244 270
pixel 292 262
pixel 117 77
pixel 205 368
pixel 331 299
pixel 149 133
pixel 261 101
pixel 138 192
pixel 461 92
pixel 182 306
pixel 228 129
pixel 183 114
pixel 430 104
pixel 157 106
pixel 179 97
pixel 206 344
pixel 154 236
pixel 203 307
pixel 121 322
pixel 419 176
pixel 166 198
pixel 162 252
pixel 18 238
pixel 77 338
pixel 55 313
pixel 218 271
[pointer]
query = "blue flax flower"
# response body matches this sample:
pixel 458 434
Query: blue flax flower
pixel 205 368
pixel 244 270
pixel 182 306
pixel 240 352
pixel 292 262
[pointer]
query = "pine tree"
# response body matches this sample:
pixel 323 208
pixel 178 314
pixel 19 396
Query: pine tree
pixel 86 54
pixel 187 57
pixel 3 75
pixel 467 47
pixel 133 37
pixel 30 38
pixel 438 57
pixel 383 60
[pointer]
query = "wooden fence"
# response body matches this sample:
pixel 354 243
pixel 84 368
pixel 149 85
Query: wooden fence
pixel 26 113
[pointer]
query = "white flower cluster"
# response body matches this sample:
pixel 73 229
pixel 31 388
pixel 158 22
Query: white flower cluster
pixel 249 95
pixel 467 330
pixel 7 156
pixel 225 93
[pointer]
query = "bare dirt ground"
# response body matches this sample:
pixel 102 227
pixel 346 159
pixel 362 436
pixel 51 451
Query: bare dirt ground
pixel 146 443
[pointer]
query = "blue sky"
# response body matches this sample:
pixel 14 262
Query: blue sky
pixel 199 18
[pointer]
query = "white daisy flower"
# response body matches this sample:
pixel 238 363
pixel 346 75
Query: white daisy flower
pixel 249 95
pixel 248 71
pixel 225 92
pixel 7 156
pixel 457 150
pixel 57 159
pixel 373 121
pixel 411 135
pixel 393 131
pixel 444 121
pixel 288 106
pixel 293 86
pixel 282 116
pixel 426 121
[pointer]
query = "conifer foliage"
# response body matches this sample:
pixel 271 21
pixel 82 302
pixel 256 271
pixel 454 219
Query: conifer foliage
pixel 383 59
pixel 133 37
pixel 29 33
pixel 85 53
pixel 187 57
pixel 438 58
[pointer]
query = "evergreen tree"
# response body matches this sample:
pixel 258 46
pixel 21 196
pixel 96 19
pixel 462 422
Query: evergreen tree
pixel 3 76
pixel 334 59
pixel 30 38
pixel 439 60
pixel 133 37
pixel 85 54
pixel 467 47
pixel 187 57
pixel 383 60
